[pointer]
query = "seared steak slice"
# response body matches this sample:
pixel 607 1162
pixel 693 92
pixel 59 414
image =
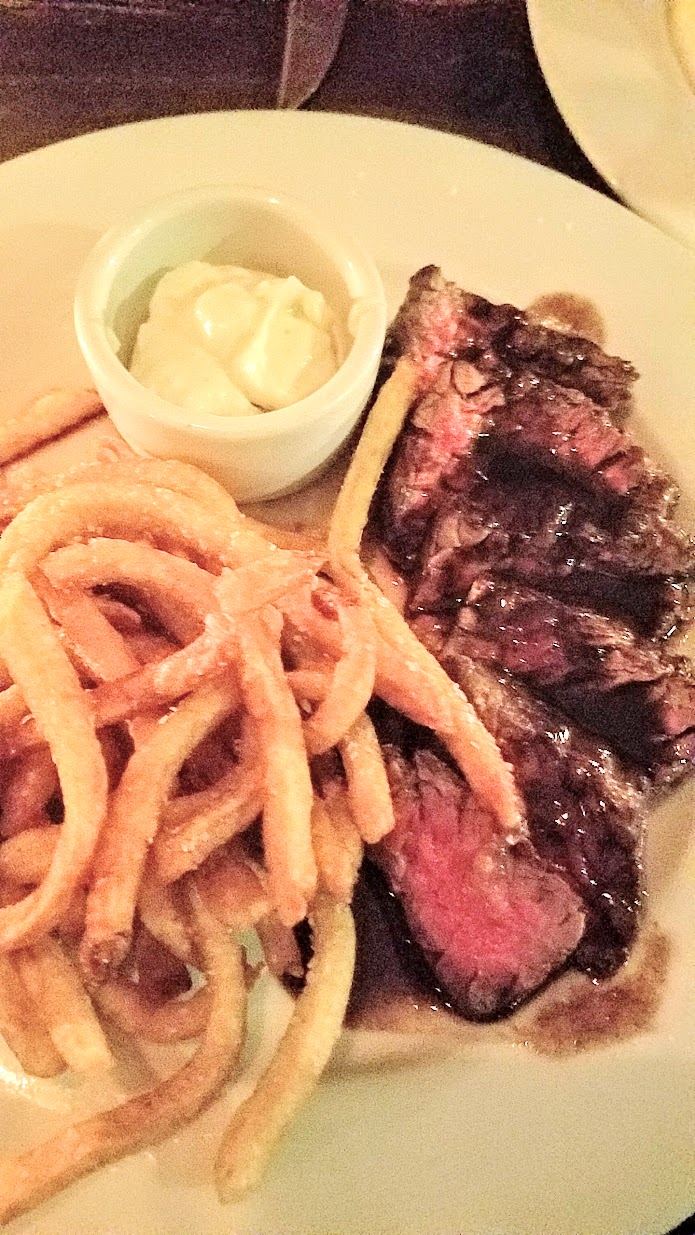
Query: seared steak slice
pixel 628 690
pixel 500 339
pixel 441 434
pixel 570 361
pixel 566 432
pixel 584 808
pixel 532 527
pixel 493 922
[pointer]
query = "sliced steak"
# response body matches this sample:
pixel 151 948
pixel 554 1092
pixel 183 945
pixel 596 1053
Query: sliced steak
pixel 627 690
pixel 570 361
pixel 436 315
pixel 493 922
pixel 565 431
pixel 584 807
pixel 543 569
pixel 441 435
pixel 534 528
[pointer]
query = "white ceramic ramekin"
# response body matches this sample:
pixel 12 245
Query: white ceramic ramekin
pixel 255 457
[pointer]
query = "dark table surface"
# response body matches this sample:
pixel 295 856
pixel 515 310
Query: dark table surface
pixel 466 66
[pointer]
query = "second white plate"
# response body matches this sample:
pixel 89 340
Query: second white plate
pixel 614 73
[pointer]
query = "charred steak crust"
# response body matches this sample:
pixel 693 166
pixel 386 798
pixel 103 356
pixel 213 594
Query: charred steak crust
pixel 544 570
pixel 537 529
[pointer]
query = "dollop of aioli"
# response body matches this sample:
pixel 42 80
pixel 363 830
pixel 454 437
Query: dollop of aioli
pixel 227 341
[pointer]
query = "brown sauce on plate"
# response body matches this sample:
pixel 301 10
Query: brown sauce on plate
pixel 591 1014
pixel 570 313
pixel 394 992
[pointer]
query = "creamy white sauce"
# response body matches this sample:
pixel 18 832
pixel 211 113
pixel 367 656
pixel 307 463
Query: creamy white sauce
pixel 227 341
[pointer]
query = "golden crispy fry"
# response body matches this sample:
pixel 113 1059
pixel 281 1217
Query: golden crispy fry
pixel 133 819
pixel 233 890
pixel 383 425
pixel 161 914
pixel 123 618
pixel 367 781
pixel 26 857
pixel 301 1057
pixel 408 676
pixel 288 794
pixel 174 1020
pixel 159 683
pixel 21 1027
pixel 119 508
pixel 280 947
pixel 51 688
pixel 309 685
pixel 13 711
pixel 412 680
pixel 352 683
pixel 30 784
pixel 256 584
pixel 192 827
pixel 44 418
pixel 337 844
pixel 63 1005
pixel 177 592
pixel 93 643
pixel 30 1177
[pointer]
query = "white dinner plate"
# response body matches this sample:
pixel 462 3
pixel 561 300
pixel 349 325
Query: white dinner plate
pixel 614 72
pixel 492 1138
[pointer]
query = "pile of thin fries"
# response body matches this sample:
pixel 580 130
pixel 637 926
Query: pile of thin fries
pixel 185 755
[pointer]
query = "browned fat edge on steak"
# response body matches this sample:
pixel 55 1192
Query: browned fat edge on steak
pixel 492 921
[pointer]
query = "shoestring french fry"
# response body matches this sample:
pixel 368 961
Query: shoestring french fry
pixel 185 839
pixel 30 783
pixel 337 845
pixel 44 418
pixel 93 643
pixel 410 679
pixel 26 857
pixel 123 618
pixel 155 685
pixel 159 974
pixel 383 425
pixel 352 683
pixel 52 691
pixel 280 948
pixel 408 676
pixel 132 822
pixel 233 889
pixel 367 782
pixel 21 1026
pixel 161 914
pixel 288 794
pixel 64 1006
pixel 173 1020
pixel 309 685
pixel 301 1057
pixel 33 1176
